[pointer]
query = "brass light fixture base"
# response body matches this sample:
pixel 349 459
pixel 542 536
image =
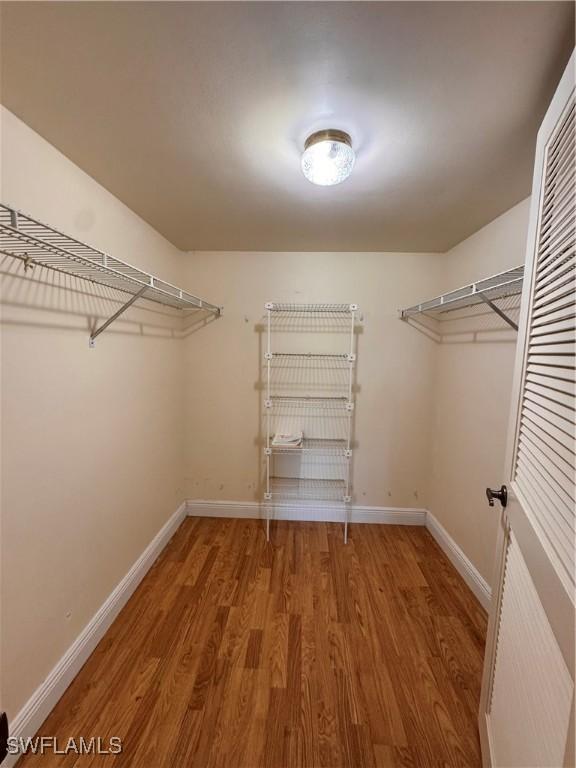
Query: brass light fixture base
pixel 328 134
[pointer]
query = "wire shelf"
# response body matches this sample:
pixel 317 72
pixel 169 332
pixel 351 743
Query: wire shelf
pixel 338 401
pixel 300 488
pixel 311 309
pixel 315 446
pixel 25 238
pixel 312 356
pixel 499 286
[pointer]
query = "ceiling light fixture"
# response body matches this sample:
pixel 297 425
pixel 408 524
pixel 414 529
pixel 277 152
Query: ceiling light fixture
pixel 328 157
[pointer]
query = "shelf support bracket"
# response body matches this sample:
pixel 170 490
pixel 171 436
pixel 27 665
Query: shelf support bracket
pixel 499 312
pixel 115 316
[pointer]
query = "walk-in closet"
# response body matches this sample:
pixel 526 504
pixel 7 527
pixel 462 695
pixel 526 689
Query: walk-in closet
pixel 287 356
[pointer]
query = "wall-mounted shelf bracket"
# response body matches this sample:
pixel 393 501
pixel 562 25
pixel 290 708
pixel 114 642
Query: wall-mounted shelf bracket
pixel 499 312
pixel 115 316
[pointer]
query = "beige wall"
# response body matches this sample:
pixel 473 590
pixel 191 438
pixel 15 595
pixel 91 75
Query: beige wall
pixel 394 369
pixel 92 440
pixel 472 386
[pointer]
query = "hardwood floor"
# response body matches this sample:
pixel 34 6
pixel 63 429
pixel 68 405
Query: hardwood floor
pixel 303 652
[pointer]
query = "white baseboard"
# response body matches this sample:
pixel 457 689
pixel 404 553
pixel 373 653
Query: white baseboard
pixel 44 699
pixel 305 511
pixel 463 565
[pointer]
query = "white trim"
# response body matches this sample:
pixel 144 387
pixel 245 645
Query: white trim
pixel 45 697
pixel 460 561
pixel 315 512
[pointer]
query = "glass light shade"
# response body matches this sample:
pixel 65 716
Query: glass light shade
pixel 328 158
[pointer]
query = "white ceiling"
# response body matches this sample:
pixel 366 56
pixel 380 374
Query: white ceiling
pixel 195 114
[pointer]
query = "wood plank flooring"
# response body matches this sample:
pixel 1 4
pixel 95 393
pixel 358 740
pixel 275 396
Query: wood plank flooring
pixel 303 652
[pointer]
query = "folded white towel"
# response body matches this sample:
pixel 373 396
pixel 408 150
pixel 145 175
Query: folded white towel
pixel 293 440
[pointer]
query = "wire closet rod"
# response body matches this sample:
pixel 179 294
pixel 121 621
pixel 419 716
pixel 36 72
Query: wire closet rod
pixel 35 243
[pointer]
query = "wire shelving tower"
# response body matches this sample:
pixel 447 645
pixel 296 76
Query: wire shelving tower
pixel 309 392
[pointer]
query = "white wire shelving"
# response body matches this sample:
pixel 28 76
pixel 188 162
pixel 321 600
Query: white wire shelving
pixel 310 357
pixel 319 469
pixel 312 401
pixel 487 291
pixel 308 489
pixel 310 309
pixel 35 243
pixel 316 447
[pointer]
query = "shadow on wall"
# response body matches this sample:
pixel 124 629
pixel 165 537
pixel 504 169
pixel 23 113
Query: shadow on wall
pixel 298 375
pixel 44 298
pixel 474 324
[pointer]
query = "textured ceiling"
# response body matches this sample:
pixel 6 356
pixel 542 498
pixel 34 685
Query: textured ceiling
pixel 195 114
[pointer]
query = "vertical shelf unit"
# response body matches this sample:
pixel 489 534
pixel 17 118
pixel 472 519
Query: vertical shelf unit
pixel 309 391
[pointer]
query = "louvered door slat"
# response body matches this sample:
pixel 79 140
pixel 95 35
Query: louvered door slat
pixel 553 336
pixel 562 178
pixel 556 237
pixel 560 512
pixel 548 415
pixel 563 399
pixel 550 441
pixel 563 271
pixel 560 435
pixel 551 382
pixel 559 239
pixel 565 350
pixel 549 287
pixel 549 360
pixel 557 149
pixel 545 445
pixel 563 288
pixel 554 460
pixel 552 265
pixel 566 313
pixel 564 202
pixel 554 326
pixel 563 302
pixel 560 141
pixel 564 374
pixel 560 247
pixel 558 220
pixel 556 409
pixel 561 531
pixel 559 172
pixel 546 469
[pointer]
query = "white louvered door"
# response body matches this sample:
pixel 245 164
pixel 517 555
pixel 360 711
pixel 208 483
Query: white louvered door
pixel 527 703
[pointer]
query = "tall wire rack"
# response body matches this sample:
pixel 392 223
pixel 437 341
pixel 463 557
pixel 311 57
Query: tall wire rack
pixel 35 243
pixel 327 415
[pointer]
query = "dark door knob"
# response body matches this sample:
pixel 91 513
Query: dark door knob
pixel 501 495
